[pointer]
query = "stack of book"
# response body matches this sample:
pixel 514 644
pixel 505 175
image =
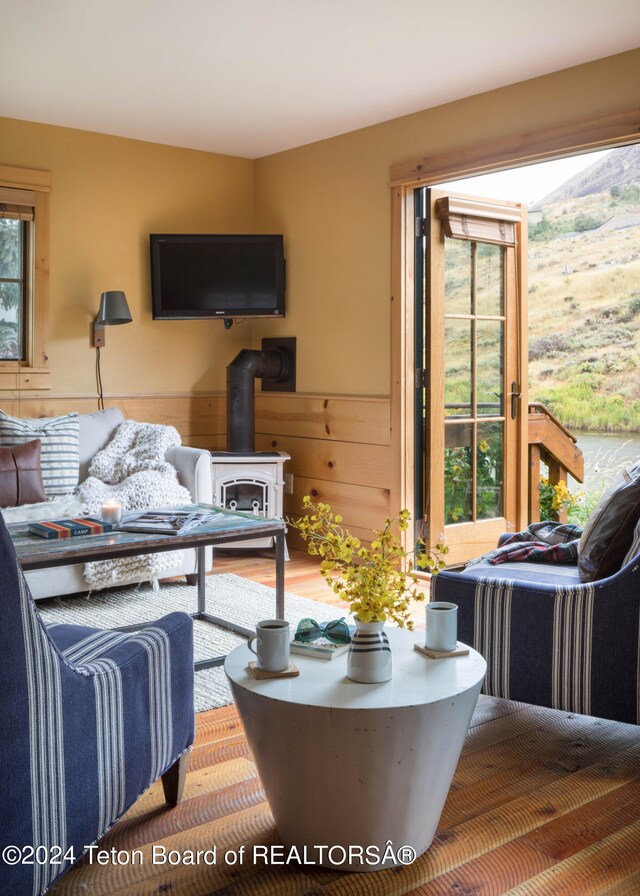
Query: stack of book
pixel 322 648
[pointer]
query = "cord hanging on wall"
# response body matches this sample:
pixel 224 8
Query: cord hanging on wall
pixel 113 310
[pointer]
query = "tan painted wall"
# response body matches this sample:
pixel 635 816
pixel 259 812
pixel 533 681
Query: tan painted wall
pixel 331 199
pixel 108 194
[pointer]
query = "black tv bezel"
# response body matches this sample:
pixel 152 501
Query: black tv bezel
pixel 277 240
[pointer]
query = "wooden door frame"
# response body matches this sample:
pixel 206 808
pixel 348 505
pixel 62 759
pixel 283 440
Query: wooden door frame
pixel 470 539
pixel 519 150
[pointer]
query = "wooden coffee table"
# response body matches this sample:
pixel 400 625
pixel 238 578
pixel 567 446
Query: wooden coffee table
pixel 231 526
pixel 349 767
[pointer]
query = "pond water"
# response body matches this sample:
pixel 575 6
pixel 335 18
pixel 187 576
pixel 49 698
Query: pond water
pixel 605 452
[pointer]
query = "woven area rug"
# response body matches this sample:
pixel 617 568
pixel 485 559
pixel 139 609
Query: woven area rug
pixel 227 596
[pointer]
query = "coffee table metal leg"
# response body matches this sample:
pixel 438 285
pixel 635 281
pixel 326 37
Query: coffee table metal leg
pixel 280 552
pixel 202 614
pixel 201 580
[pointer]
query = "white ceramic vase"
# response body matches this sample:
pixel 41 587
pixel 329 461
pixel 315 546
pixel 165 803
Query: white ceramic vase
pixel 369 658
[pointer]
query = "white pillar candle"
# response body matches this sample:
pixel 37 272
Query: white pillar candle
pixel 111 512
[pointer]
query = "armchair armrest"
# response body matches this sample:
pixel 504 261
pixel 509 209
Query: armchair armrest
pixel 566 645
pixel 194 471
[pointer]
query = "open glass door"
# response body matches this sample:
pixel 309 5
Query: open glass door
pixel 471 416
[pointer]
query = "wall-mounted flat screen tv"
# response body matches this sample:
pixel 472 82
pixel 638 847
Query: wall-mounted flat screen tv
pixel 217 275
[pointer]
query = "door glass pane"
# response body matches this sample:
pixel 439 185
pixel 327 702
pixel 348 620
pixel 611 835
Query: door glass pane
pixel 457 276
pixel 489 470
pixel 489 279
pixel 490 353
pixel 458 472
pixel 457 368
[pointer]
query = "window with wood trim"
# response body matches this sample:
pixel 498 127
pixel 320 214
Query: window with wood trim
pixel 16 231
pixel 24 269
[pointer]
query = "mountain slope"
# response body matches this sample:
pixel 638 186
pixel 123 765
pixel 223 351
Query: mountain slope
pixel 584 297
pixel 619 168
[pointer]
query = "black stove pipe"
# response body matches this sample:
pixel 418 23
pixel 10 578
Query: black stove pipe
pixel 245 367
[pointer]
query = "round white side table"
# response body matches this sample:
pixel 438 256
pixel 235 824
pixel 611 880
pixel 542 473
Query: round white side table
pixel 358 766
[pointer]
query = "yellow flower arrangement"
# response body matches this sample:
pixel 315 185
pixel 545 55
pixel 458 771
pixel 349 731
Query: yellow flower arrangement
pixel 556 498
pixel 378 582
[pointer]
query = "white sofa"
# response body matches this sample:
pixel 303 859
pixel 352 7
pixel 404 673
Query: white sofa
pixel 193 466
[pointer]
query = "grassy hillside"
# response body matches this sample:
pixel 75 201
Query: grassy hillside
pixel 584 309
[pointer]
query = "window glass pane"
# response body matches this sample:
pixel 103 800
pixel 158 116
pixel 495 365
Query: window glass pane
pixel 457 276
pixel 458 472
pixel 9 248
pixel 9 321
pixel 490 349
pixel 457 368
pixel 489 280
pixel 489 470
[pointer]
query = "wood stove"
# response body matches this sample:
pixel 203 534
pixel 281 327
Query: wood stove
pixel 253 483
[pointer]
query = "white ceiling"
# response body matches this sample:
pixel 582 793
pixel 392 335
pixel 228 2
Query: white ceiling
pixel 253 77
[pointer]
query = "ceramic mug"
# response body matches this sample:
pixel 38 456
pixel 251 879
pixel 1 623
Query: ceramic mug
pixel 442 626
pixel 272 645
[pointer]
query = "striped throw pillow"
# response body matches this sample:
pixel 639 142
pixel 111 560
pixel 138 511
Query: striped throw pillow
pixel 59 453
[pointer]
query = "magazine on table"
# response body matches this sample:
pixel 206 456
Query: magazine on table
pixel 168 522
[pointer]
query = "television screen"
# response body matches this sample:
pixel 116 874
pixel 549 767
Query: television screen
pixel 220 275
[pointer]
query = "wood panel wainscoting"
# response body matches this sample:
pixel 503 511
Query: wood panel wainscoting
pixel 340 449
pixel 339 444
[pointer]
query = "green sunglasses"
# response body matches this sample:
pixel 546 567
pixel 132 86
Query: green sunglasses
pixel 336 631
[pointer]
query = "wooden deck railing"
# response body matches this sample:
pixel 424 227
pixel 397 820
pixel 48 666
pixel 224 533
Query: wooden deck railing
pixel 551 444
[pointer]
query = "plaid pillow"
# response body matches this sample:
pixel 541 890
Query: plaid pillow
pixel 59 453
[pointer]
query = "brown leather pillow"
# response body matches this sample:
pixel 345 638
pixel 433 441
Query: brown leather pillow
pixel 20 474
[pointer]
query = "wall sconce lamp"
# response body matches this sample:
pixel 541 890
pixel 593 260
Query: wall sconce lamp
pixel 113 310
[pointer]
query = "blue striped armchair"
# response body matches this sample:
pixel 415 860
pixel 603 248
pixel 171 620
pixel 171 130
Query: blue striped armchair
pixel 550 640
pixel 89 720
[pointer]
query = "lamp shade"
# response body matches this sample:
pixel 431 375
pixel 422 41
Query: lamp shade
pixel 113 309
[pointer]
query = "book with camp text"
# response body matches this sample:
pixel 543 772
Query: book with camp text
pixel 69 528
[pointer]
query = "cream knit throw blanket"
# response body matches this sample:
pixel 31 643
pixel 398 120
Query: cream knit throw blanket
pixel 132 470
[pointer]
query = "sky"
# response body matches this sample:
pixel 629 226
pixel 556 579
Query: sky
pixel 526 184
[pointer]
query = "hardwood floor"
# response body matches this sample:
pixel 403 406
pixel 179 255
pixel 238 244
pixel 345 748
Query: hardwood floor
pixel 302 575
pixel 543 803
